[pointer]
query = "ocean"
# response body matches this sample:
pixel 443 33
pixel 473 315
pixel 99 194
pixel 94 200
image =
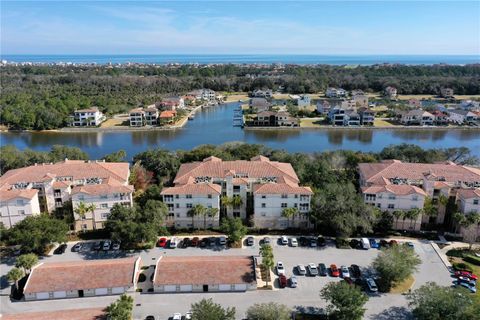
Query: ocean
pixel 250 59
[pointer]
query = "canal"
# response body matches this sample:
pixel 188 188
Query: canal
pixel 214 126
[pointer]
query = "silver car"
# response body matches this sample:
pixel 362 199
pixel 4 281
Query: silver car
pixel 371 285
pixel 293 282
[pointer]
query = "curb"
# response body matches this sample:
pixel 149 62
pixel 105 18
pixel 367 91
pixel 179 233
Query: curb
pixel 442 257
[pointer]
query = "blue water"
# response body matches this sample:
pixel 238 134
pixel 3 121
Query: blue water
pixel 250 58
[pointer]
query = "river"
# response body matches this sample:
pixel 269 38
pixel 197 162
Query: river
pixel 214 126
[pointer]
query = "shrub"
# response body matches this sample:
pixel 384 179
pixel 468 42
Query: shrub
pixel 462 266
pixel 459 253
pixel 473 260
pixel 342 243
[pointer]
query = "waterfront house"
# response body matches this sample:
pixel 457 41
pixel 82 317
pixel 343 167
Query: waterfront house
pixel 414 103
pixel 172 103
pixel 360 100
pixel 441 118
pixel 367 116
pixel 339 116
pixel 335 93
pixel 417 117
pixel 167 117
pixel 463 117
pixel 446 92
pixel 265 188
pixel 323 107
pixel 303 101
pixel 91 117
pixel 262 93
pixel 390 92
pixel 259 104
pixel 46 187
pixel 274 119
pixel 137 117
pixel 203 94
pixel 151 115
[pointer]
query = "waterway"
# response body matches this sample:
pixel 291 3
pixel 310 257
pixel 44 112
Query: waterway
pixel 214 126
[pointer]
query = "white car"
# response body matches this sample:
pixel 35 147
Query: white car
pixel 284 240
pixel 312 269
pixel 177 316
pixel 106 245
pixel 188 315
pixel 301 270
pixel 293 282
pixel 372 285
pixel 344 272
pixel 293 242
pixel 280 268
pixel 173 243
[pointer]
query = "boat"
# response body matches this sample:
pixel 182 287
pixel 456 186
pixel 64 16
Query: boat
pixel 191 117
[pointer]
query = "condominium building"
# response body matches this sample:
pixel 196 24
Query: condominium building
pixel 151 115
pixel 265 188
pixel 90 117
pixel 137 117
pixel 45 187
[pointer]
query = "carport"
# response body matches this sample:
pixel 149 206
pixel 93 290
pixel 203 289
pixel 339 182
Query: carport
pixel 204 274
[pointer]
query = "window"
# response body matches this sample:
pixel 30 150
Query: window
pixel 20 202
pixel 84 226
pixel 391 197
pixel 104 196
pixel 264 196
pixel 104 215
pixel 178 215
pixel 189 206
pixel 168 198
pixel 295 205
pixel 414 198
pixel 177 205
pixel 379 205
pixel 370 197
pixel 264 205
pixel 209 196
pixel 236 188
pixel 475 201
pixel 104 205
pixel 188 196
pixel 21 212
pixel 284 205
pixel 391 206
pixel 264 214
pixel 284 196
pixel 236 214
pixel 177 196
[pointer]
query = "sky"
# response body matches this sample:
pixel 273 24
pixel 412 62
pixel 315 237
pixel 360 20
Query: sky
pixel 240 27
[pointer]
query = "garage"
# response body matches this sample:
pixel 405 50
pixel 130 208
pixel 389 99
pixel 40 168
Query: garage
pixel 60 294
pixel 169 288
pixel 225 287
pixel 101 291
pixel 43 295
pixel 186 288
pixel 240 287
pixel 118 290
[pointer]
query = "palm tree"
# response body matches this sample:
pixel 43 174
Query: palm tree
pixel 413 214
pixel 197 210
pixel 15 274
pixel 289 213
pixel 266 252
pixel 236 201
pixel 459 219
pixel 82 209
pixel 212 213
pixel 397 214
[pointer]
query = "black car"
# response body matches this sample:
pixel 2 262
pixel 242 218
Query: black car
pixel 321 241
pixel 97 245
pixel 384 243
pixel 150 318
pixel 322 270
pixel 212 241
pixel 186 243
pixel 203 242
pixel 61 249
pixel 355 244
pixel 302 241
pixel 355 271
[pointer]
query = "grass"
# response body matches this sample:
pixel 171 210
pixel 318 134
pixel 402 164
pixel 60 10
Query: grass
pixel 382 123
pixel 476 270
pixel 403 286
pixel 235 96
pixel 115 122
pixel 311 122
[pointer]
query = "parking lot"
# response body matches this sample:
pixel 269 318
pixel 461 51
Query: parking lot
pixel 305 296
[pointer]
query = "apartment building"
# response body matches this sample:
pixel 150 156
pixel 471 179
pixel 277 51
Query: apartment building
pixel 90 117
pixel 265 188
pixel 137 117
pixel 151 115
pixel 395 185
pixel 45 187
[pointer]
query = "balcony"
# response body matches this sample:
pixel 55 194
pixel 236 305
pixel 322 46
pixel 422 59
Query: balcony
pixel 57 194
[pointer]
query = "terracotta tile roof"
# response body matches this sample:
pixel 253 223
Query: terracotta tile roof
pixel 376 173
pixel 76 169
pixel 168 114
pixel 280 188
pixel 92 109
pixel 240 181
pixel 136 110
pixel 74 314
pixel 204 270
pixel 469 193
pixel 398 189
pixel 98 189
pixel 79 275
pixel 194 188
pixel 215 167
pixel 6 195
pixel 60 184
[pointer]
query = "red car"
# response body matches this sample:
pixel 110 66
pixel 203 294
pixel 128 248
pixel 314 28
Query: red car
pixel 282 280
pixel 334 271
pixel 466 274
pixel 162 242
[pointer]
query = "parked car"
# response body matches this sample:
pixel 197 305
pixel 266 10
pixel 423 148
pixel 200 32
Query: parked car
pixel 384 243
pixel 116 245
pixel 177 316
pixel 373 243
pixel 312 269
pixel 203 242
pixel 188 315
pixel 173 243
pixel 466 274
pixel 365 244
pixel 212 241
pixel 393 243
pixel 77 247
pixel 322 269
pixel 334 272
pixel 301 270
pixel 410 244
pixel 250 241
pixel 470 287
pixel 267 240
pixel 321 241
pixel 162 242
pixel 282 281
pixel 195 242
pixel 283 240
pixel 186 243
pixel 60 249
pixel 356 273
pixel 106 245
pixel 355 244
pixel 222 240
pixel 372 286
pixel 293 242
pixel 302 241
pixel 97 245
pixel 313 243
pixel 293 282
pixel 280 268
pixel 344 272
pixel 150 317
pixel 467 280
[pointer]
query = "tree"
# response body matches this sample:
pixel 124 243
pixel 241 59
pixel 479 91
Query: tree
pixel 345 301
pixel 35 233
pixel 268 261
pixel 289 213
pixel 121 309
pixel 197 210
pixel 234 229
pixel 140 178
pixel 413 215
pixel 210 212
pixel 395 264
pixel 470 226
pixel 398 214
pixel 26 261
pixel 433 302
pixel 269 311
pixel 83 208
pixel 15 275
pixel 206 309
pixel 429 207
pixel 118 156
pixel 162 163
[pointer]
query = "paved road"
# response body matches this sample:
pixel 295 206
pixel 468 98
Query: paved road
pixel 380 306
